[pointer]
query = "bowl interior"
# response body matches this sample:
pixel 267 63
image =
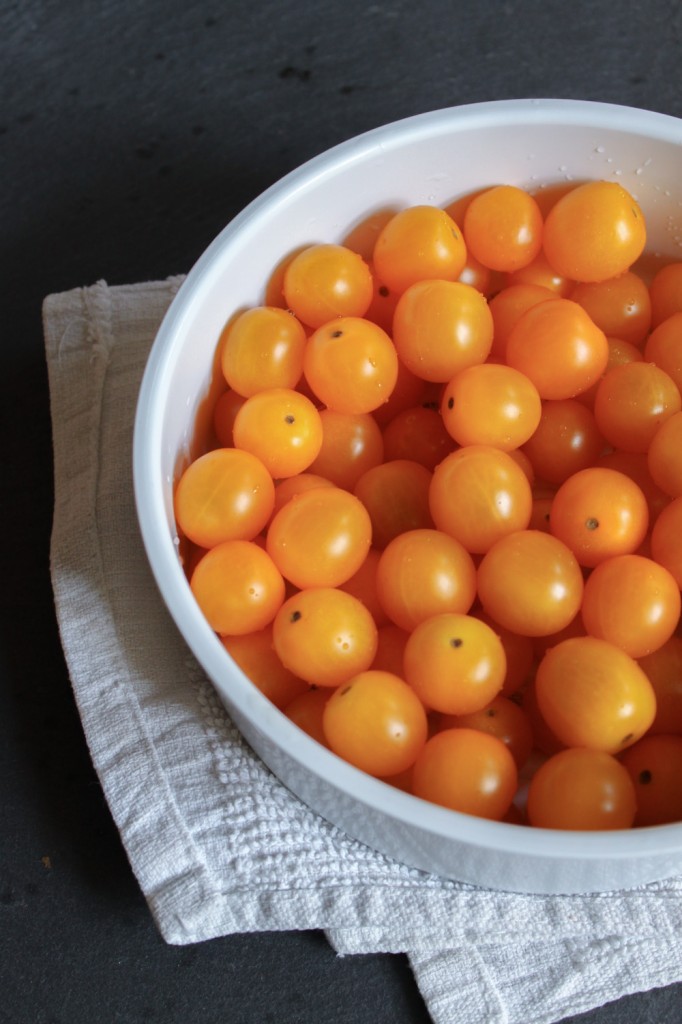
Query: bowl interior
pixel 431 158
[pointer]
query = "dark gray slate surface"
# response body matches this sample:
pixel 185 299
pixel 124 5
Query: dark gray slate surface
pixel 130 132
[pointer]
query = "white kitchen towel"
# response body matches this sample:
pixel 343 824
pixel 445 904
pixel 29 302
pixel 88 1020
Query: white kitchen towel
pixel 217 843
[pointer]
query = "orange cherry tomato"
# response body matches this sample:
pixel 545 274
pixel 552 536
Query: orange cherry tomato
pixel 457 208
pixel 479 277
pixel 503 228
pixel 263 348
pixel 655 766
pixel 566 440
pixel 238 587
pixel 631 402
pixel 665 539
pixel 507 308
pixel 362 237
pixel 599 513
pixel 441 327
pixel 419 243
pixel 282 428
pixel 256 656
pixel 307 711
pixel 633 602
pixel 468 771
pixel 225 494
pixel 544 740
pixel 391 642
pixel 558 347
pixel 518 651
pixel 634 465
pixel 524 464
pixel 421 573
pixel 327 281
pixel 539 519
pixel 594 232
pixel 419 435
pixel 581 790
pixel 396 496
pixel 375 722
pixel 290 486
pixel 274 287
pixel 547 196
pixel 455 663
pixel 541 644
pixel 320 538
pixel 664 348
pixel 351 365
pixel 620 352
pixel 539 272
pixel 592 694
pixel 409 391
pixel 503 718
pixel 351 444
pixel 530 583
pixel 666 293
pixel 620 306
pixel 382 306
pixel 363 585
pixel 473 272
pixel 325 636
pixel 491 404
pixel 664 457
pixel 663 668
pixel 479 494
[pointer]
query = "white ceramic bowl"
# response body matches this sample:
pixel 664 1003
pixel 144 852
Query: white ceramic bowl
pixel 431 158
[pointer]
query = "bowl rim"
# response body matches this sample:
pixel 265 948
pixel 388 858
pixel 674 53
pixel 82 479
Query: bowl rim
pixel 375 795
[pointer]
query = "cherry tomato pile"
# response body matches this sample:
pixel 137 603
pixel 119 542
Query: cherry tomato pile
pixel 439 523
